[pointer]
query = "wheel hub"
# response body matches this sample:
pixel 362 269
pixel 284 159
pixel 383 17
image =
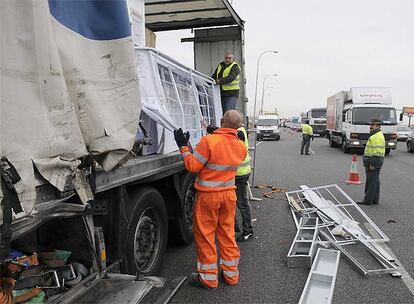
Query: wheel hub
pixel 146 241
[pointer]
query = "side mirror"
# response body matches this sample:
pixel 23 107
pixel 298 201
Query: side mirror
pixel 401 116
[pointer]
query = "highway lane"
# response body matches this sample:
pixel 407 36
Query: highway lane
pixel 264 275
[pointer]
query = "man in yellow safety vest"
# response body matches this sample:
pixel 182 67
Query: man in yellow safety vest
pixel 373 160
pixel 242 191
pixel 307 134
pixel 227 75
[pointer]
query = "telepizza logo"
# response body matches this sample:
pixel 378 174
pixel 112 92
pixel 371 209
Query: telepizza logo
pixel 371 95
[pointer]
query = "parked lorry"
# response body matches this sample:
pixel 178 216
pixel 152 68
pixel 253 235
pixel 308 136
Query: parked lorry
pixel 317 120
pixel 349 114
pixel 80 183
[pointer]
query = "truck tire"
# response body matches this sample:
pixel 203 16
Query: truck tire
pixel 344 146
pixel 387 151
pixel 409 148
pixel 332 144
pixel 181 231
pixel 147 235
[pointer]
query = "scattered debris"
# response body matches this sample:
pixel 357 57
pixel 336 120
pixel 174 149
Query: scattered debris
pixel 333 220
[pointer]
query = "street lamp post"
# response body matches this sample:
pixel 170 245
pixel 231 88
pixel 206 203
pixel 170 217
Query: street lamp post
pixel 263 89
pixel 254 110
pixel 263 97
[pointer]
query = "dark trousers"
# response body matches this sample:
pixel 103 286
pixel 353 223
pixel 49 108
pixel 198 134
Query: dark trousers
pixel 243 204
pixel 228 103
pixel 305 143
pixel 372 186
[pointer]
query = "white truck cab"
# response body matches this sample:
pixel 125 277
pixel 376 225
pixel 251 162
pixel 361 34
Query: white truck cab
pixel 349 114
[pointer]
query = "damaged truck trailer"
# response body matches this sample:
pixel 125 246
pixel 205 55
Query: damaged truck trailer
pixel 92 182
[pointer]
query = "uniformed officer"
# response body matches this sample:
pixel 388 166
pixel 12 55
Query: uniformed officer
pixel 373 160
pixel 307 134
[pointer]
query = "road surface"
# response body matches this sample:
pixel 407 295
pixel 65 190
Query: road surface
pixel 265 278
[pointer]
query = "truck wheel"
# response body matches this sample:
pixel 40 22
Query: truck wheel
pixel 331 142
pixel 182 228
pixel 147 234
pixel 345 148
pixel 409 148
pixel 387 151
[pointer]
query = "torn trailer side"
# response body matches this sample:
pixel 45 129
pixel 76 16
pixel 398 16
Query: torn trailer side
pixel 138 206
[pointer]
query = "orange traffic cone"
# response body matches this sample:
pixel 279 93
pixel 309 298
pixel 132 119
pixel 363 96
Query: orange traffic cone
pixel 353 173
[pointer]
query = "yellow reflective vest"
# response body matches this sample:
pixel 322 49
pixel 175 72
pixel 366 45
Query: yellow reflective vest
pixel 244 168
pixel 307 129
pixel 375 145
pixel 235 84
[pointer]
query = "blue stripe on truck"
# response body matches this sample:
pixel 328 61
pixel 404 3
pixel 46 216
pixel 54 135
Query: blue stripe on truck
pixel 93 19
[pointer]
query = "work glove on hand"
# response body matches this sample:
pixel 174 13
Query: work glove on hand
pixel 181 138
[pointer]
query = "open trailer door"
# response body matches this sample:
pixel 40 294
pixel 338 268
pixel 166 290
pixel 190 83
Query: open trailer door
pixel 218 29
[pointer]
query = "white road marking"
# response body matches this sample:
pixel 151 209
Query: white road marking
pixel 312 151
pixel 259 143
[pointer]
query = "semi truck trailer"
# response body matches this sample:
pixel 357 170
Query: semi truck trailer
pixel 93 187
pixel 349 114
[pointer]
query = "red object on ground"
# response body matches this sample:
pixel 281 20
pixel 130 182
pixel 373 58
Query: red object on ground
pixel 353 178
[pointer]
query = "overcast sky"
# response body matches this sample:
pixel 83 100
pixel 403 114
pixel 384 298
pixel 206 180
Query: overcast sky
pixel 324 46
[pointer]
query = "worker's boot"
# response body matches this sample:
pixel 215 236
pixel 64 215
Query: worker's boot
pixel 194 279
pixel 244 236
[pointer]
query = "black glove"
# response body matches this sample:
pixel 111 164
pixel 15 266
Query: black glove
pixel 180 138
pixel 240 135
pixel 211 129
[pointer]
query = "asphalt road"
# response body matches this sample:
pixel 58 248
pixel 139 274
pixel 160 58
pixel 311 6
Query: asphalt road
pixel 265 278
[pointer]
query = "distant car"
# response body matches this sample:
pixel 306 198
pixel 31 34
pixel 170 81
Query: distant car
pixel 410 143
pixel 403 133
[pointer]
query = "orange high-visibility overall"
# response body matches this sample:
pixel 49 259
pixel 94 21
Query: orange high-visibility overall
pixel 216 159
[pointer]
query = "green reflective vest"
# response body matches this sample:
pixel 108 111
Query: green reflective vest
pixel 235 84
pixel 307 129
pixel 375 145
pixel 244 167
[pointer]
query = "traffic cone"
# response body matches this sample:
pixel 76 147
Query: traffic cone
pixel 353 178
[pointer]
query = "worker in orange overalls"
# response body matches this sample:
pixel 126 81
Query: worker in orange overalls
pixel 215 159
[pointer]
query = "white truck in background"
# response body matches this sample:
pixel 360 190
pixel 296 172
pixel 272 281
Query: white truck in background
pixel 268 127
pixel 317 120
pixel 349 114
pixel 296 123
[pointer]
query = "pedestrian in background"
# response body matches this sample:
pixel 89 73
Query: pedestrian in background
pixel 307 134
pixel 227 75
pixel 215 160
pixel 373 160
